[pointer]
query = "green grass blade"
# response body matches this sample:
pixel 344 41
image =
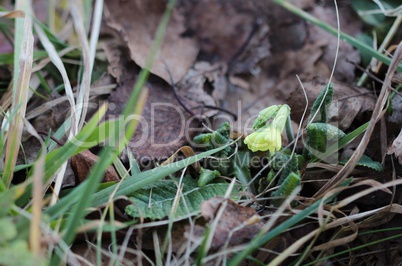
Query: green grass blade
pixel 105 159
pixel 257 242
pixel 23 58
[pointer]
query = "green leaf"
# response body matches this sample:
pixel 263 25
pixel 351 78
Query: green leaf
pixel 8 231
pixel 342 142
pixel 156 201
pixel 6 201
pixel 321 105
pixel 224 130
pixel 320 136
pixel 206 176
pixel 366 162
pixel 286 163
pixel 18 253
pixel 292 165
pixel 286 188
pixel 215 139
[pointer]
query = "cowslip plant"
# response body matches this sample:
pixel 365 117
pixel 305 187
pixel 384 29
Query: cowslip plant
pixel 322 141
pixel 268 127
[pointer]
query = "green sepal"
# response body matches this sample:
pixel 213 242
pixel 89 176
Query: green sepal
pixel 264 115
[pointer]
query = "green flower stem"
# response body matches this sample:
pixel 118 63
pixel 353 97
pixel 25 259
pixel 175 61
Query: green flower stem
pixel 362 47
pixel 289 130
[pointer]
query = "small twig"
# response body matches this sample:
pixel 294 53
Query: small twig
pixel 372 76
pixel 180 101
pixel 51 137
pixel 173 86
pixel 244 45
pixel 218 108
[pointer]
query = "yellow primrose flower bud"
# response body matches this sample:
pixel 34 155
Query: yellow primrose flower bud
pixel 264 116
pixel 281 116
pixel 268 138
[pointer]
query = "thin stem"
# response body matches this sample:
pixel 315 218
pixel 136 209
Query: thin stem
pixel 289 130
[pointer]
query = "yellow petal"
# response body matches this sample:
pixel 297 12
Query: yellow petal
pixel 265 139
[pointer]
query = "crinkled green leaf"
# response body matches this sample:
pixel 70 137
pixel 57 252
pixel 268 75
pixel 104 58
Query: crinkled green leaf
pixel 156 201
pixel 286 188
pixel 320 136
pixel 367 162
pixel 321 105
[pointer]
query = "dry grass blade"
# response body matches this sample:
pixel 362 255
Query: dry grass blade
pixel 35 237
pixel 50 104
pixel 339 241
pixel 76 10
pixel 12 14
pixel 46 61
pixel 56 60
pixel 22 76
pixel 6 100
pixel 377 114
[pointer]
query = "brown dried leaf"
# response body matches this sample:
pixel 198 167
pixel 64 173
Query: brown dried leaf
pixel 113 51
pixel 136 23
pixel 236 225
pixel 164 126
pixel 82 164
pixel 193 86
